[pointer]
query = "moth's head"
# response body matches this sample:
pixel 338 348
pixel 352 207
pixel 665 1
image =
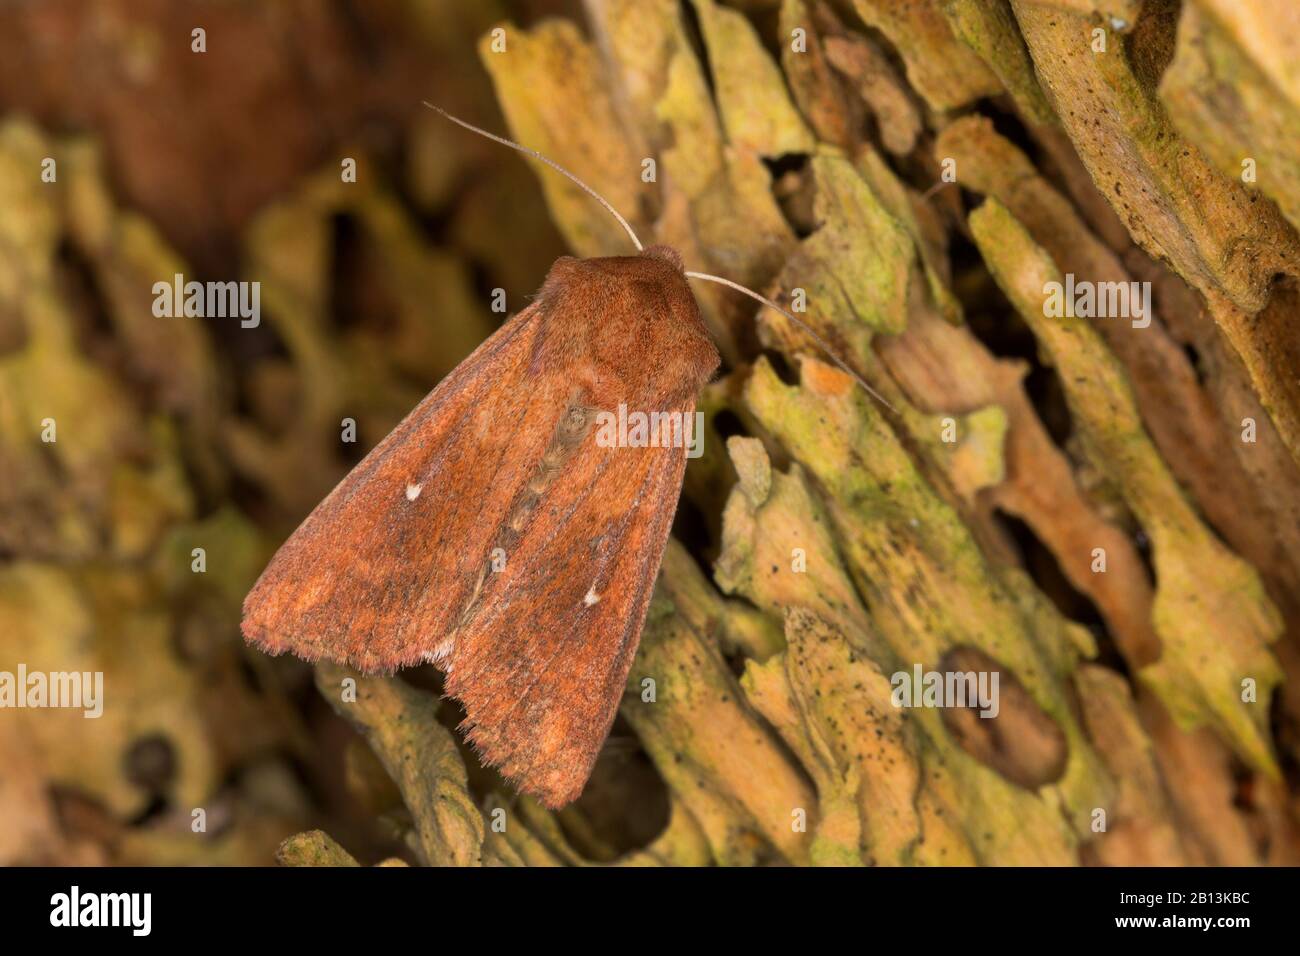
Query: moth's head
pixel 631 313
pixel 665 254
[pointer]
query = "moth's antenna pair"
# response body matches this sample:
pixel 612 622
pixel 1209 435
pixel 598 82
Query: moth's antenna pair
pixel 821 343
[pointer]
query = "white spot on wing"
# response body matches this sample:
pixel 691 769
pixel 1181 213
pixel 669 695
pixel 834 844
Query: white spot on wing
pixel 592 597
pixel 413 492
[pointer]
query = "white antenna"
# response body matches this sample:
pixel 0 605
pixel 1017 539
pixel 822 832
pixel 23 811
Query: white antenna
pixel 821 343
pixel 549 162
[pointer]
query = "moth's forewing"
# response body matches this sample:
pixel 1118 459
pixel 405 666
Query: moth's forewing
pixel 541 662
pixel 493 534
pixel 374 574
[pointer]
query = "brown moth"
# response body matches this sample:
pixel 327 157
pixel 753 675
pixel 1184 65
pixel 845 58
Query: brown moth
pixel 492 535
